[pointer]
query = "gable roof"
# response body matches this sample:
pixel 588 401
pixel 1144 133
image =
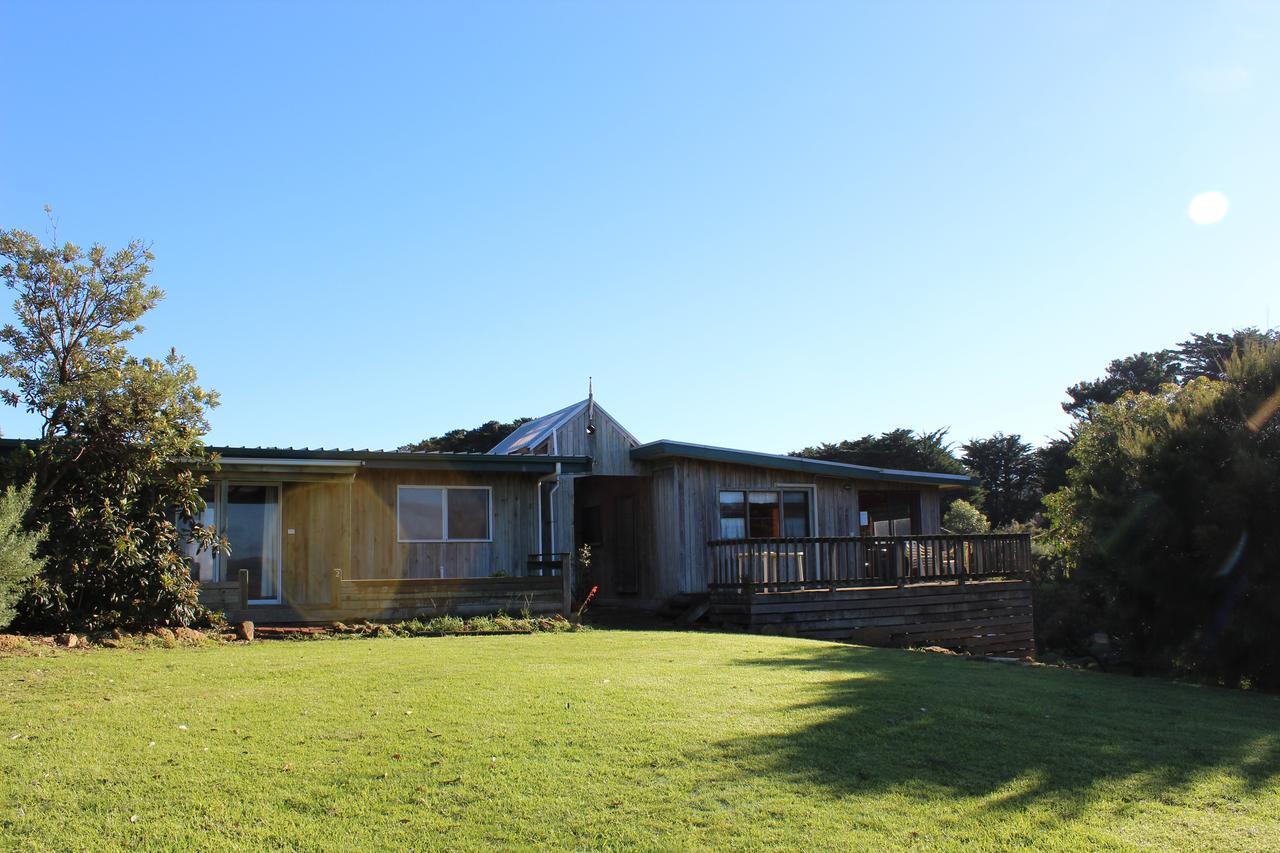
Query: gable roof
pixel 538 430
pixel 666 449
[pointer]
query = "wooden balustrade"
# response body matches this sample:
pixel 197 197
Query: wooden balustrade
pixel 831 562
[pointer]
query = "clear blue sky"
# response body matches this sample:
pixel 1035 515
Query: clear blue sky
pixel 757 225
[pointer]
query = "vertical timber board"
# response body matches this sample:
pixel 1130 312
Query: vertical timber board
pixel 317 513
pixel 376 553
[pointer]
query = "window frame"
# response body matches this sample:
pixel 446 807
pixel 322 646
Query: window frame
pixel 778 489
pixel 444 512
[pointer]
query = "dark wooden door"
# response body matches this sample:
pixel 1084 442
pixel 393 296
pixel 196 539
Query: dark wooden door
pixel 626 563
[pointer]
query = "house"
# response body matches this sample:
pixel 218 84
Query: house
pixel 763 541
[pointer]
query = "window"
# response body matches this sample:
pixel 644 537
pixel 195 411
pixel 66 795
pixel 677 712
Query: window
pixel 204 565
pixel 443 514
pixel 765 514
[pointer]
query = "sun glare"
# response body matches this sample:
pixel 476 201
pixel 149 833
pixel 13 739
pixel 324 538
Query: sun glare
pixel 1207 208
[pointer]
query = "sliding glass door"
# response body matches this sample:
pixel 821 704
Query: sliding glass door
pixel 253 528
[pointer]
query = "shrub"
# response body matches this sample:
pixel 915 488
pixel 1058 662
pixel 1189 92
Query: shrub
pixel 963 517
pixel 18 560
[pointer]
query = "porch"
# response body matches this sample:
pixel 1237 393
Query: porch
pixel 968 593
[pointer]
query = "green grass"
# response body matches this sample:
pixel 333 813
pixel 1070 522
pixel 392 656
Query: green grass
pixel 615 738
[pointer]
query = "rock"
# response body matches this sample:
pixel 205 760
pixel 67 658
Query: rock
pixel 165 635
pixel 340 626
pixel 244 631
pixel 117 634
pixel 68 640
pixel 112 643
pixel 939 650
pixel 189 636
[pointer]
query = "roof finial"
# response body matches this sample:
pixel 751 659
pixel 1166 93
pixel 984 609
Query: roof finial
pixel 591 408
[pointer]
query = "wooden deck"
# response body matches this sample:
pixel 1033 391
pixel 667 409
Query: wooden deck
pixel 967 593
pixel 395 600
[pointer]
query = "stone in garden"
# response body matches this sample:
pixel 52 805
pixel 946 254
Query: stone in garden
pixel 244 631
pixel 68 640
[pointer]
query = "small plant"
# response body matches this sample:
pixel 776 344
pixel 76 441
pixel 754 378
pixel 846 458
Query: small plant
pixel 581 568
pixel 582 608
pixel 18 560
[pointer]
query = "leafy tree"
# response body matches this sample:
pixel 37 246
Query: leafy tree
pixel 1208 354
pixel 964 517
pixel 121 440
pixel 901 448
pixel 481 439
pixel 18 547
pixel 1144 372
pixel 1053 460
pixel 1168 525
pixel 1007 467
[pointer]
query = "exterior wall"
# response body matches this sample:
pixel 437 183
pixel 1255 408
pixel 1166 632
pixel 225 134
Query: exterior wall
pixel 375 553
pixel 341 529
pixel 686 512
pixel 610 452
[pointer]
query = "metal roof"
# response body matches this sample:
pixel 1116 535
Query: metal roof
pixel 386 458
pixel 538 430
pixel 666 449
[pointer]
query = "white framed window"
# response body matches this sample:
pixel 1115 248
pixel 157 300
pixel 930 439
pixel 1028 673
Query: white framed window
pixel 444 514
pixel 205 566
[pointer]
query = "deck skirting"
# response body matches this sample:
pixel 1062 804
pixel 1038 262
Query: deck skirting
pixel 988 617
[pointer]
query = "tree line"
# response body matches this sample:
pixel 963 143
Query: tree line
pixel 1155 514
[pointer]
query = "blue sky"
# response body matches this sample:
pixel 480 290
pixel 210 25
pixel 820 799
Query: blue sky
pixel 756 225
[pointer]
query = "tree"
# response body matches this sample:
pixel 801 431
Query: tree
pixel 18 548
pixel 1007 467
pixel 1053 460
pixel 1208 354
pixel 481 439
pixel 120 449
pixel 1168 524
pixel 1144 372
pixel 963 517
pixel 900 448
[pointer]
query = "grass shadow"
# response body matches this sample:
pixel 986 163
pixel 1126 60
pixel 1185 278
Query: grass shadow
pixel 1007 738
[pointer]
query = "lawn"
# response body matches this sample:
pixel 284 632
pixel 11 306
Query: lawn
pixel 618 738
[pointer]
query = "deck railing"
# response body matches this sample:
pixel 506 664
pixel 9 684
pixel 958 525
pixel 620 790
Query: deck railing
pixel 831 562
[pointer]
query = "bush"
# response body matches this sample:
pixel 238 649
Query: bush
pixel 963 517
pixel 18 560
pixel 1168 526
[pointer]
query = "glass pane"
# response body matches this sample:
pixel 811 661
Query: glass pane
pixel 733 515
pixel 421 514
pixel 762 515
pixel 468 513
pixel 795 513
pixel 253 528
pixel 203 566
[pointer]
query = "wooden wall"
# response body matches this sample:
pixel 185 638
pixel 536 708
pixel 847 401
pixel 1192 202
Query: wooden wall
pixel 375 553
pixel 686 511
pixel 610 452
pixel 980 617
pixel 388 600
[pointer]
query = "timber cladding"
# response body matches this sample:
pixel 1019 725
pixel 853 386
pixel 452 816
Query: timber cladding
pixel 398 599
pixel 980 617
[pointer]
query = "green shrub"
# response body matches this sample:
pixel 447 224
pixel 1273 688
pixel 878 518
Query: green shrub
pixel 18 560
pixel 963 517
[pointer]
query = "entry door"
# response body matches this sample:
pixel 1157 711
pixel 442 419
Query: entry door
pixel 253 529
pixel 626 569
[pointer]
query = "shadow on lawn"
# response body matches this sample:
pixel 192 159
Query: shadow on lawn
pixel 1009 737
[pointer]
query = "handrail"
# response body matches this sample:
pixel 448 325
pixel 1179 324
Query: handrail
pixel 819 562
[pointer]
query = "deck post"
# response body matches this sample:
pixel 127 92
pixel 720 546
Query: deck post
pixel 335 589
pixel 961 572
pixel 244 589
pixel 898 564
